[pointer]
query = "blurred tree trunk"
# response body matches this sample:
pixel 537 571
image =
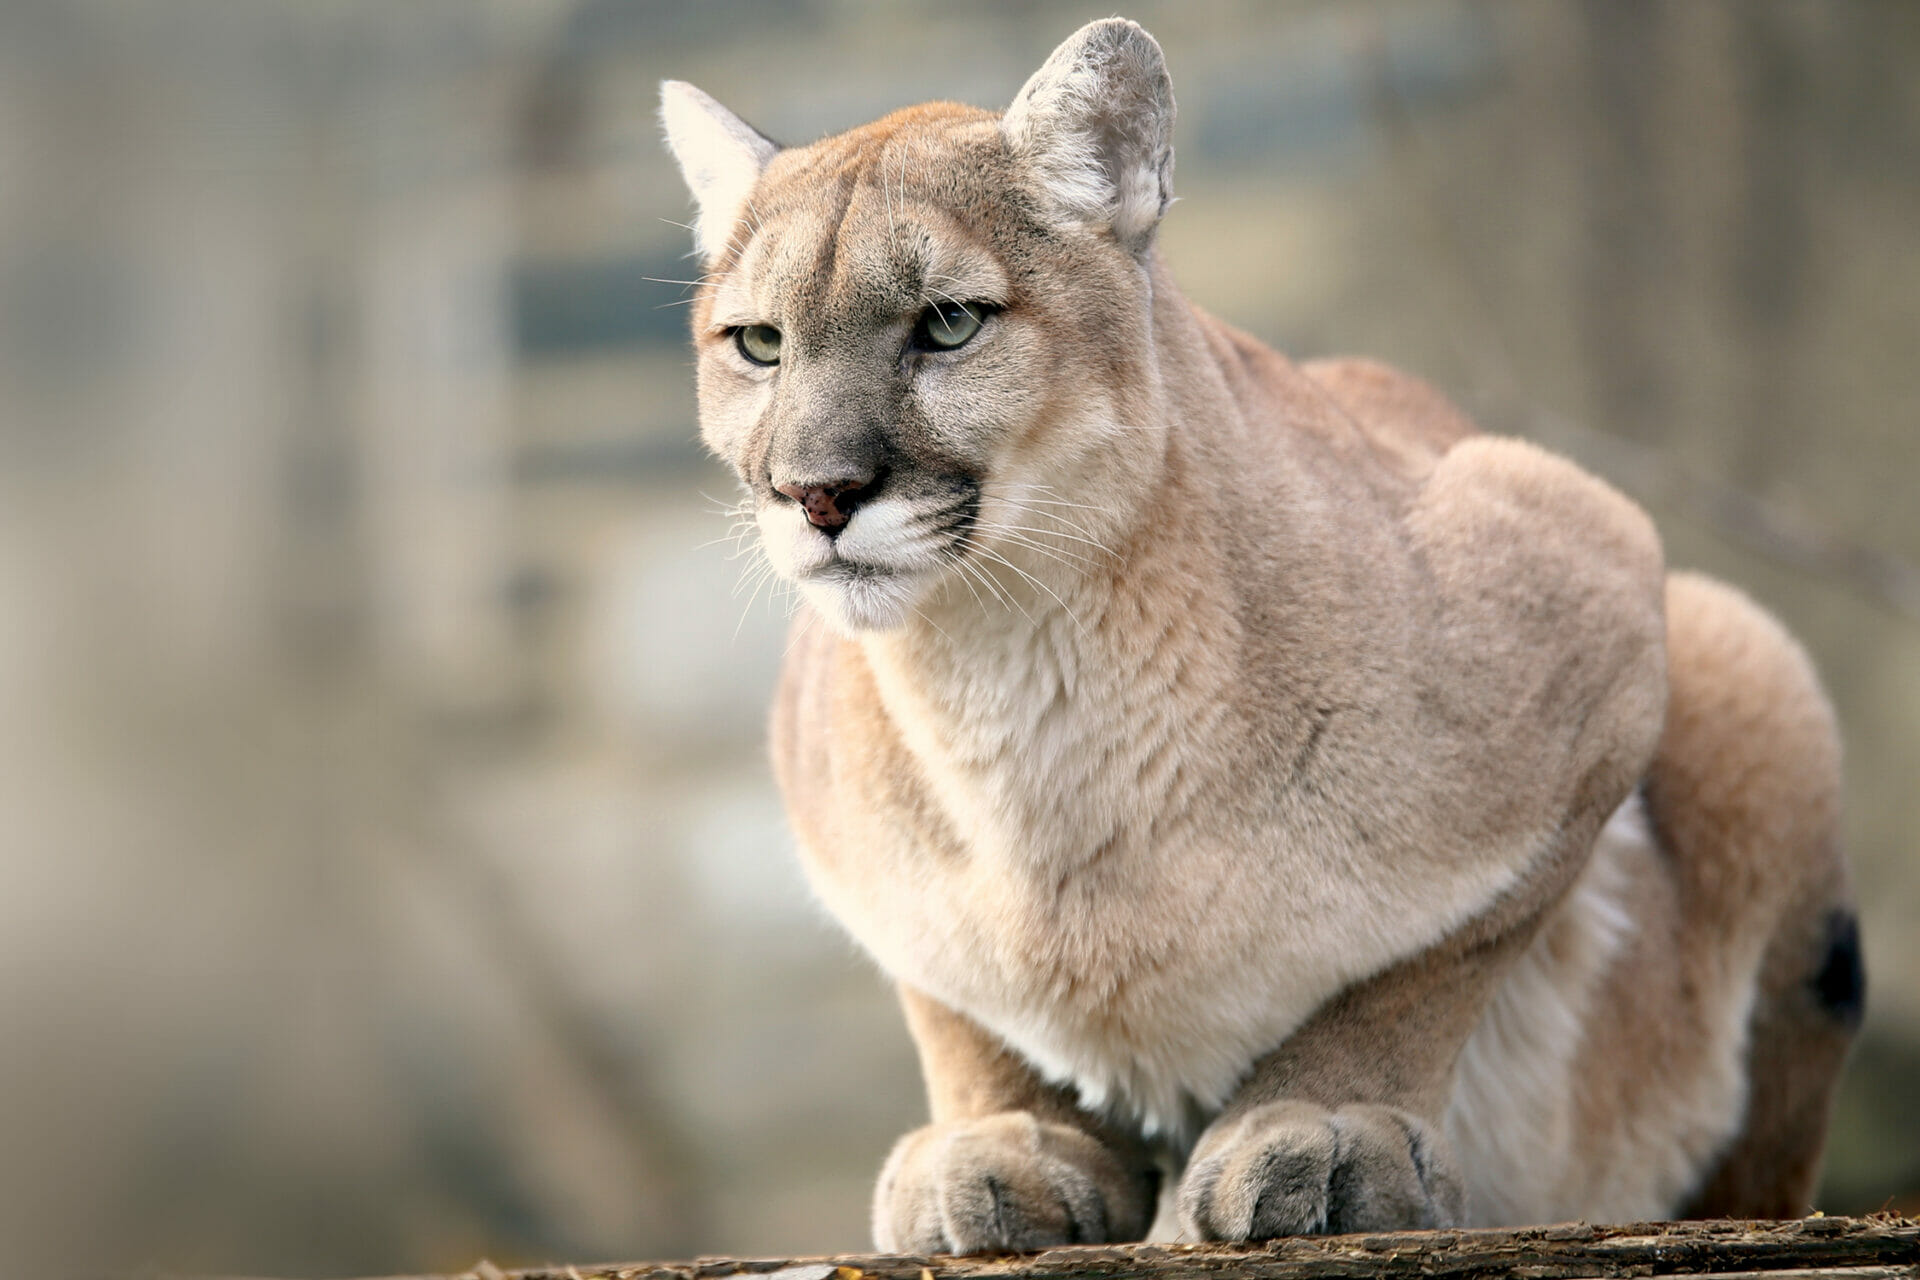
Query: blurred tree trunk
pixel 1629 239
pixel 1771 269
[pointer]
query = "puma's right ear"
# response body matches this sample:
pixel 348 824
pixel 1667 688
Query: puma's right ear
pixel 721 157
pixel 1095 126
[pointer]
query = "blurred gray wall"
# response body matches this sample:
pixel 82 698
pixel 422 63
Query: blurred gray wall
pixel 389 870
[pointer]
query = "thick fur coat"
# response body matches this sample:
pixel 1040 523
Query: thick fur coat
pixel 1250 774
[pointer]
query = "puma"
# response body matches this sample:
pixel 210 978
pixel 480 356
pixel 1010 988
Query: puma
pixel 1251 776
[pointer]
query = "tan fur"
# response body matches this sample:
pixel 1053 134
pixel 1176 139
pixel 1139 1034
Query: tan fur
pixel 1217 750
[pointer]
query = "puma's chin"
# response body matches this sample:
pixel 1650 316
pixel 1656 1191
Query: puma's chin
pixel 855 597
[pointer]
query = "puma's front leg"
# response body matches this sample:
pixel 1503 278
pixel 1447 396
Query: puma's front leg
pixel 1290 1168
pixel 1009 1162
pixel 1339 1129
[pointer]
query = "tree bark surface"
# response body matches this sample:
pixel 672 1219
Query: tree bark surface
pixel 1882 1247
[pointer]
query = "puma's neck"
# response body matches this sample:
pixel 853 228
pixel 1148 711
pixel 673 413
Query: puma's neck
pixel 1051 697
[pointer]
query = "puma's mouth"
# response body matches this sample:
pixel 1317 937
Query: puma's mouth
pixel 873 572
pixel 857 595
pixel 842 570
pixel 895 537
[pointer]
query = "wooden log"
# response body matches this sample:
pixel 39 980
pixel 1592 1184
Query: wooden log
pixel 1882 1247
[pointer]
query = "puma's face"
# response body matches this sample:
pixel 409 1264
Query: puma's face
pixel 865 358
pixel 892 348
pixel 906 347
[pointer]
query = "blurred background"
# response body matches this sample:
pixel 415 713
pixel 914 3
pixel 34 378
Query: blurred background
pixel 390 874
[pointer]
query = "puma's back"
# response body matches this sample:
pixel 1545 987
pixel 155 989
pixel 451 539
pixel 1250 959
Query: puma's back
pixel 1239 765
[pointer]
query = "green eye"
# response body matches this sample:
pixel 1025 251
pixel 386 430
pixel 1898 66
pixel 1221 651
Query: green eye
pixel 946 325
pixel 759 343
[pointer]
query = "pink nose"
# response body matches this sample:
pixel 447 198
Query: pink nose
pixel 828 506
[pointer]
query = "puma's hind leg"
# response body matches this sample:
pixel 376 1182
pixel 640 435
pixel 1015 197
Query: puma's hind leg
pixel 1810 1000
pixel 1744 795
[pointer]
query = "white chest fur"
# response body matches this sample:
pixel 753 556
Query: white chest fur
pixel 1130 911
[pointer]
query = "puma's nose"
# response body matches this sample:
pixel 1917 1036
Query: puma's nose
pixel 828 506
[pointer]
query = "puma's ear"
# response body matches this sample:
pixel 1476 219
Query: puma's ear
pixel 1095 126
pixel 721 157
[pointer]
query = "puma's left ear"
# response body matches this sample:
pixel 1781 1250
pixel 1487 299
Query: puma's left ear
pixel 721 156
pixel 1095 126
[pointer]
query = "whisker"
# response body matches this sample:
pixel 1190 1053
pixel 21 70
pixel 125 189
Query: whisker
pixel 1046 531
pixel 739 506
pixel 1062 555
pixel 1000 559
pixel 764 578
pixel 1057 518
pixel 794 637
pixel 942 515
pixel 994 555
pixel 942 294
pixel 755 576
pixel 999 594
pixel 1061 502
pixel 967 582
pixel 903 178
pixel 730 536
pixel 998 589
pixel 930 622
pixel 1053 533
pixel 886 196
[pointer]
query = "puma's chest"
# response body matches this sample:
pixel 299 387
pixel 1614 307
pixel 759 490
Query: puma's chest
pixel 1133 984
pixel 1153 966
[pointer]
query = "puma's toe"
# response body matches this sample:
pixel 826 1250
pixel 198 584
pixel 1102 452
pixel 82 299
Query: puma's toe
pixel 1005 1182
pixel 1294 1168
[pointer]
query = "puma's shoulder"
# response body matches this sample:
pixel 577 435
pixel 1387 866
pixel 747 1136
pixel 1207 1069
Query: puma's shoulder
pixel 1365 412
pixel 1397 408
pixel 1505 519
pixel 1553 585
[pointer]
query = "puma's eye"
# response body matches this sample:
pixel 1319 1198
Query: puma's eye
pixel 946 325
pixel 759 343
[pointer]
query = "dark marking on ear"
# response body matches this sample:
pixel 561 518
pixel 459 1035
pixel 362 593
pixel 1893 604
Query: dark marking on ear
pixel 1840 985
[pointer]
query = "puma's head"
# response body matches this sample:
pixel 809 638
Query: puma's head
pixel 925 344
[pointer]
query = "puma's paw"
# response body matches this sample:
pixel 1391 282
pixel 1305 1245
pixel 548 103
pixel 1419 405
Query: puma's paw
pixel 1294 1168
pixel 1003 1183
